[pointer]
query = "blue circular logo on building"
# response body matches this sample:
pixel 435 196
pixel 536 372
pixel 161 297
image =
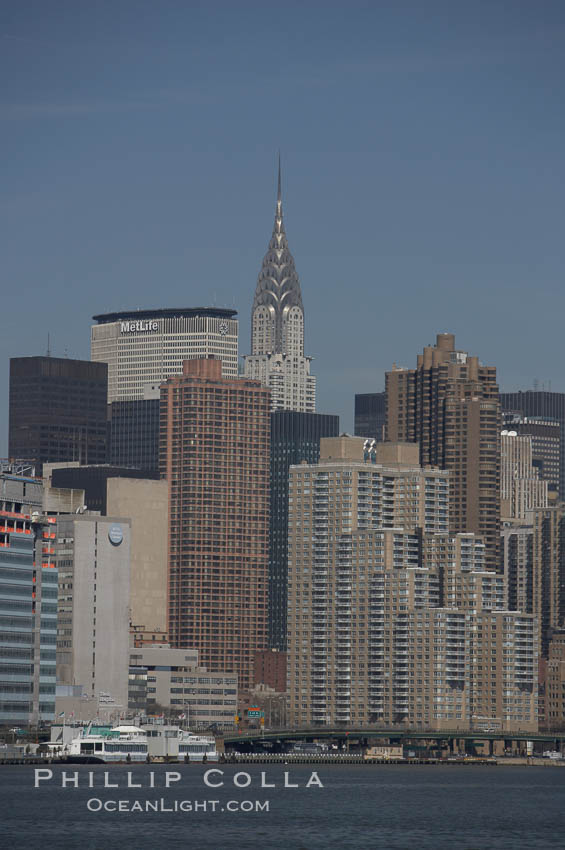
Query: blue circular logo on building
pixel 115 535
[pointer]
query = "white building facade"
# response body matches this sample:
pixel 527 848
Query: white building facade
pixel 92 554
pixel 143 347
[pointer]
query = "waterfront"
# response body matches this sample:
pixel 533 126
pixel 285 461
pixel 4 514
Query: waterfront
pixel 468 808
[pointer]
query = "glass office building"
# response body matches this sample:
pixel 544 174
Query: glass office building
pixel 28 605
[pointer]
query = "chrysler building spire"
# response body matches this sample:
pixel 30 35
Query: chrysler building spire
pixel 277 325
pixel 277 318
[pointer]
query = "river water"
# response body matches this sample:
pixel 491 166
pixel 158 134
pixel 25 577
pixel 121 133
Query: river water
pixel 460 807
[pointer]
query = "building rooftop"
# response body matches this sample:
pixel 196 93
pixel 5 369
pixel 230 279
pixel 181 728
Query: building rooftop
pixel 166 313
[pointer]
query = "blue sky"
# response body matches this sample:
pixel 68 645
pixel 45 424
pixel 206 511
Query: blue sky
pixel 423 174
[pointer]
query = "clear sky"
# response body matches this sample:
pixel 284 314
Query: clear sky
pixel 423 174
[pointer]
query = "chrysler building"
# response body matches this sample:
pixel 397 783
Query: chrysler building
pixel 277 327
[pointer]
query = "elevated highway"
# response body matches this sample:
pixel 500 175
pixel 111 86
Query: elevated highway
pixel 454 740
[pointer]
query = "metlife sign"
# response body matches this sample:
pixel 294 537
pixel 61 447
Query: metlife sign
pixel 139 326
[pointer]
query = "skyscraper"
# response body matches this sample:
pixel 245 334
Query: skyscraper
pixel 338 508
pixel 93 558
pixel 215 455
pixel 449 405
pixel 548 583
pixel 277 327
pixel 521 488
pixel 133 431
pixel 517 543
pixel 391 618
pixel 57 410
pixel 143 498
pixel 545 437
pixel 540 404
pixel 143 347
pixel 28 604
pixel 555 682
pixel 295 438
pixel 370 415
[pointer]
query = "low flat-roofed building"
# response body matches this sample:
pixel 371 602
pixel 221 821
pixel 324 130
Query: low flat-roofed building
pixel 175 683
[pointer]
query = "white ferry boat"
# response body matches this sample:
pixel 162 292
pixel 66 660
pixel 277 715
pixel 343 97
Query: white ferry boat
pixel 135 744
pixel 196 747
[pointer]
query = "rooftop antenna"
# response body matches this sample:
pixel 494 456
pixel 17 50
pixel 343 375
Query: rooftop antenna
pixel 48 345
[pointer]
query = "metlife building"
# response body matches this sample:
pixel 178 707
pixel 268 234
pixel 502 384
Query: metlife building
pixel 143 347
